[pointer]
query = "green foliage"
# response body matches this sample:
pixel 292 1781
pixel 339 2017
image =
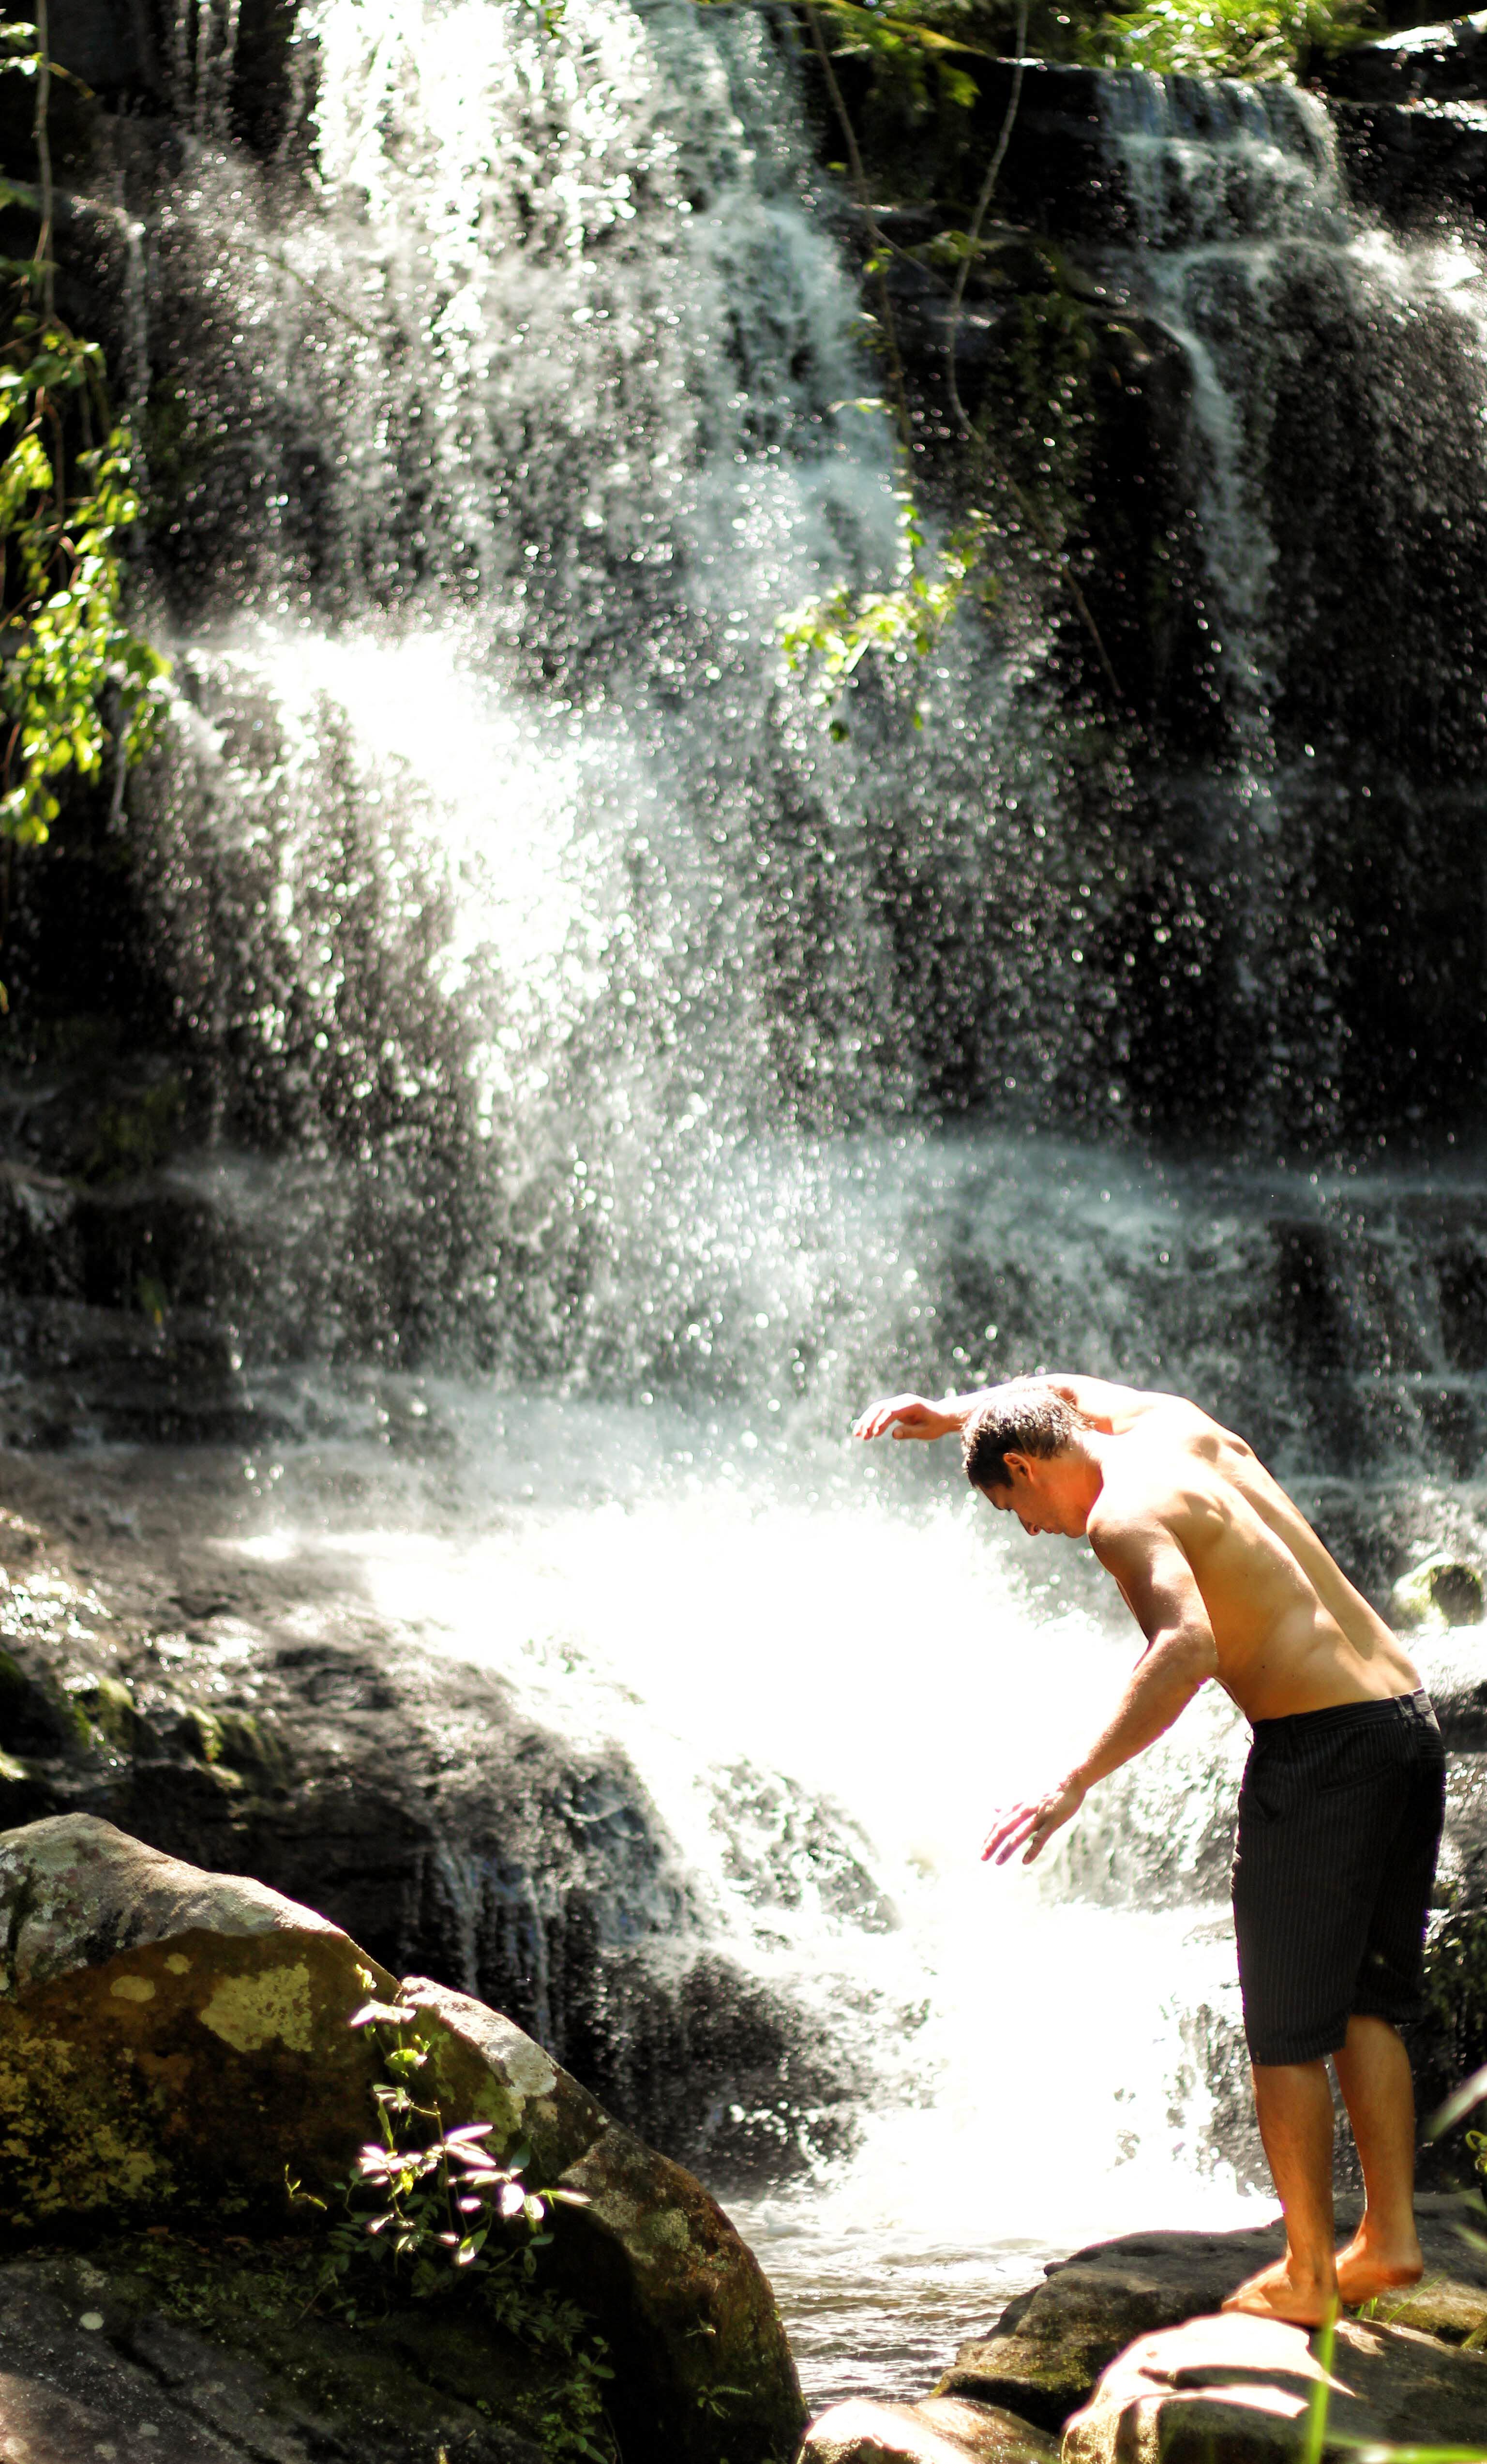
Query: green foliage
pixel 1226 39
pixel 1042 419
pixel 897 30
pixel 65 652
pixel 29 57
pixel 834 635
pixel 429 2211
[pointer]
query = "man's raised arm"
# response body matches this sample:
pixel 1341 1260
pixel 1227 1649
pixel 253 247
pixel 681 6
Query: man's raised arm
pixel 911 1416
pixel 1158 1586
pixel 1096 1400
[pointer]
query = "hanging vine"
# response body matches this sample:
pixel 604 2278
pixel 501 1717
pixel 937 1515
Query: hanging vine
pixel 76 681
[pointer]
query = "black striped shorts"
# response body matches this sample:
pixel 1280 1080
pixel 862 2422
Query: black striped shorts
pixel 1340 1819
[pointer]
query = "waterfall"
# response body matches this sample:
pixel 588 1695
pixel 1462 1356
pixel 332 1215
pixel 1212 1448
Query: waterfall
pixel 1334 433
pixel 530 928
pixel 591 1056
pixel 1231 187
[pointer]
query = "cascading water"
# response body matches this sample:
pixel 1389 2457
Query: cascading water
pixel 1232 190
pixel 580 1027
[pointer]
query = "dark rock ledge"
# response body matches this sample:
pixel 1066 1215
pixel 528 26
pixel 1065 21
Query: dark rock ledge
pixel 1119 2355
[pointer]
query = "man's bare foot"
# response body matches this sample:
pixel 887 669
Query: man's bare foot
pixel 1304 2301
pixel 1368 2267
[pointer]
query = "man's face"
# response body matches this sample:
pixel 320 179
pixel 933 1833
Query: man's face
pixel 1039 1496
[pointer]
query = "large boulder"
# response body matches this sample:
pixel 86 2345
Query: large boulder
pixel 942 2430
pixel 170 2039
pixel 1242 2390
pixel 173 2042
pixel 1046 2352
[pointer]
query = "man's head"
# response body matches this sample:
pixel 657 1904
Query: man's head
pixel 1024 1451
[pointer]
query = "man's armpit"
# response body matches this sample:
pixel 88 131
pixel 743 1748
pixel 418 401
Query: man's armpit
pixel 1150 1565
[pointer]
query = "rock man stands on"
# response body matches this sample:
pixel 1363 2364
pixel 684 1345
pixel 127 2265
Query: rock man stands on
pixel 1341 1806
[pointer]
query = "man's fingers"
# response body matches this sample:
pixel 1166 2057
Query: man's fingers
pixel 1009 1833
pixel 895 1412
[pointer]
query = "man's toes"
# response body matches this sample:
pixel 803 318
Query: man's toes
pixel 1270 2294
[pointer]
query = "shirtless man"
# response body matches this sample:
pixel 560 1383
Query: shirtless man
pixel 1340 1810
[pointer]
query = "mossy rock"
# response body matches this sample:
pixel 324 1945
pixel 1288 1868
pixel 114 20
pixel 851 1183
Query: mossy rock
pixel 37 1715
pixel 176 2044
pixel 168 2040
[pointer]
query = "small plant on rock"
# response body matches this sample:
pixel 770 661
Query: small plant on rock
pixel 430 2209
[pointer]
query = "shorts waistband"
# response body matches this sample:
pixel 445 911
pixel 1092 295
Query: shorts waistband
pixel 1405 1710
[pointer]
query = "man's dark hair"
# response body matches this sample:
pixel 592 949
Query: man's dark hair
pixel 1023 1418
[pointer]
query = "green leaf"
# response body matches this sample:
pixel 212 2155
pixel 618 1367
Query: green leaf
pixel 1472 2091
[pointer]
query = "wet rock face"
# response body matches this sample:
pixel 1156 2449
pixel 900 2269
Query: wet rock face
pixel 410 1802
pixel 136 61
pixel 1354 492
pixel 175 2043
pixel 1444 63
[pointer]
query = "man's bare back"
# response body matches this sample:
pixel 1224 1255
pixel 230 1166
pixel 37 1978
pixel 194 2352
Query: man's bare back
pixel 1173 1492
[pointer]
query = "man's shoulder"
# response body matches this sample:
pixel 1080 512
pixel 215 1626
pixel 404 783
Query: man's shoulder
pixel 1138 1500
pixel 1151 1489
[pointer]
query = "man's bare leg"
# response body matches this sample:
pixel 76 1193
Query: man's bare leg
pixel 1373 2074
pixel 1294 2102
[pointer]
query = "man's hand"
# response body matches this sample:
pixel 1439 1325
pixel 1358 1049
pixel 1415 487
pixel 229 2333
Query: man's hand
pixel 1031 1826
pixel 908 1415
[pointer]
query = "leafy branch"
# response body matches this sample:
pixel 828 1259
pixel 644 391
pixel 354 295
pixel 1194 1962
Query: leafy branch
pixel 65 650
pixel 837 632
pixel 1258 39
pixel 908 620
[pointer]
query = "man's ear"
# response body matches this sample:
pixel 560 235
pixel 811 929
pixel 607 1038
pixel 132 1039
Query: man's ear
pixel 1019 1466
